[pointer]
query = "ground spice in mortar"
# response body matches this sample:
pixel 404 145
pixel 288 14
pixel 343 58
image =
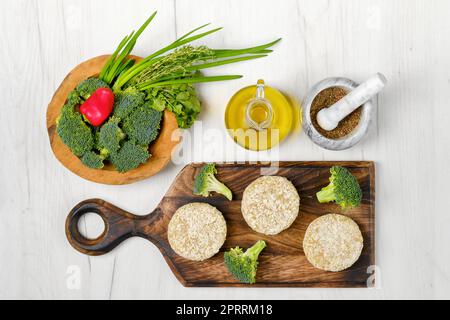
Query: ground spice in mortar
pixel 326 98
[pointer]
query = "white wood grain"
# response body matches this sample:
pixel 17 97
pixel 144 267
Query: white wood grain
pixel 407 40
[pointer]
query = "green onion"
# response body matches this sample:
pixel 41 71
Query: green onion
pixel 110 70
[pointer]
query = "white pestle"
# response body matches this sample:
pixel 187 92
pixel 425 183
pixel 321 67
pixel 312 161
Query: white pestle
pixel 329 118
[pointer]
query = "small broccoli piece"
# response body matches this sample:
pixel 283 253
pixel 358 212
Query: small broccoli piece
pixel 67 110
pixel 93 160
pixel 88 86
pixel 74 99
pixel 73 131
pixel 127 101
pixel 129 157
pixel 243 265
pixel 110 135
pixel 206 182
pixel 344 189
pixel 142 125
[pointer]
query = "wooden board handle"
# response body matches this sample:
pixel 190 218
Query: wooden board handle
pixel 119 226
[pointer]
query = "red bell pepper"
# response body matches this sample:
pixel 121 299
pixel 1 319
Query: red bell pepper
pixel 97 108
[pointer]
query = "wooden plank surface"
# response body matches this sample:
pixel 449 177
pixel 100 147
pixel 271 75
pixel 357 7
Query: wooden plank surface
pixel 407 40
pixel 283 262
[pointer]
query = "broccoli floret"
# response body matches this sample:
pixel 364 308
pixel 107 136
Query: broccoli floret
pixel 344 189
pixel 243 265
pixel 142 125
pixel 127 101
pixel 93 160
pixel 88 86
pixel 110 136
pixel 206 182
pixel 130 156
pixel 74 99
pixel 73 131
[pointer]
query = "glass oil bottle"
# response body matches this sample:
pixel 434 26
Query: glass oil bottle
pixel 259 117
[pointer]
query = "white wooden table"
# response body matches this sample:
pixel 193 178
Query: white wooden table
pixel 408 41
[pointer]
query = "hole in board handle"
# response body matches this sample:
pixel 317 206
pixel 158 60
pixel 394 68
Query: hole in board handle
pixel 91 225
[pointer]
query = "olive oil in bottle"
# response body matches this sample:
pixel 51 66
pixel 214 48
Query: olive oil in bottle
pixel 259 117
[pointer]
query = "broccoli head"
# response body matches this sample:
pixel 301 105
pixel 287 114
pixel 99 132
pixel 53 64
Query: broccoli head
pixel 142 125
pixel 344 189
pixel 88 86
pixel 127 101
pixel 109 136
pixel 243 265
pixel 129 157
pixel 93 160
pixel 73 131
pixel 206 182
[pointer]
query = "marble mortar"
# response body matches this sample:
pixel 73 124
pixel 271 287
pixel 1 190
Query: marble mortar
pixel 345 142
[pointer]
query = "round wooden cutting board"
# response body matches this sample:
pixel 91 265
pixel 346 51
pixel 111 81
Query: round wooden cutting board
pixel 160 149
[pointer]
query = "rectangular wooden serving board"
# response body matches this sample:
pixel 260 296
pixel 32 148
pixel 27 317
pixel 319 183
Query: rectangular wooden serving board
pixel 282 263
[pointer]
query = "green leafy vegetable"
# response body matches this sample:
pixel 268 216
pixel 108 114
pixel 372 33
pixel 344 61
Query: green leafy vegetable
pixel 243 265
pixel 180 99
pixel 344 189
pixel 206 182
